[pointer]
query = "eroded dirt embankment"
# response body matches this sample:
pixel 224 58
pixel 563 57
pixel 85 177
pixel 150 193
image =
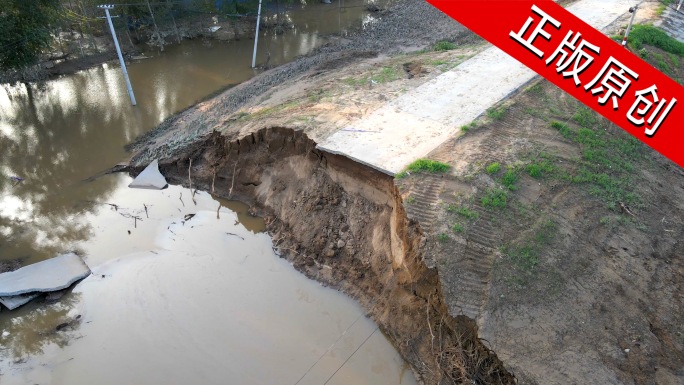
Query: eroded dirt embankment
pixel 344 224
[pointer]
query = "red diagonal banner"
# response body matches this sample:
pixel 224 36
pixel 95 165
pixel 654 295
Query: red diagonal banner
pixel 583 62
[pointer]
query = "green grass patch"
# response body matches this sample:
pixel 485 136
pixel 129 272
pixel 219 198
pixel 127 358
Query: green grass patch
pixel 663 6
pixel 589 137
pixel 272 110
pixel 607 161
pixel 537 89
pixel 495 198
pixel 428 165
pixel 410 199
pixel 645 34
pixel 510 178
pixel 444 46
pixel 563 129
pixel 523 257
pixel 463 211
pixel 536 112
pixel 319 95
pixel 539 169
pixel 442 237
pixel 675 59
pixel 242 115
pixel 438 62
pixel 386 75
pixel 356 82
pixel 467 127
pixel 493 168
pixel 496 113
pixel 457 228
pixel 423 165
pixel 585 117
pixel 662 64
pixel 526 256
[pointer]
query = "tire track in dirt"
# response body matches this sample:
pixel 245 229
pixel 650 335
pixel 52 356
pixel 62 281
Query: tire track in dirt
pixel 477 263
pixel 492 145
pixel 423 207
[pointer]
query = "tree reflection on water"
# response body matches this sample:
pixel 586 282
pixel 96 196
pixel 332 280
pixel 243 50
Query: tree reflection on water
pixel 35 326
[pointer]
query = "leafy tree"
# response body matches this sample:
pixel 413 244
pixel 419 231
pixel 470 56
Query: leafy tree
pixel 25 31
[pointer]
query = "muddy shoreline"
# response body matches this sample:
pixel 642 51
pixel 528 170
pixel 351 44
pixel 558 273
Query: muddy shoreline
pixel 338 222
pixel 344 225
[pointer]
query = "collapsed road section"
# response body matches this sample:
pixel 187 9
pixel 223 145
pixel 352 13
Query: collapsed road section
pixel 343 224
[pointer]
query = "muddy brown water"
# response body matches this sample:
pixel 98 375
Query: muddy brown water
pixel 194 294
pixel 173 298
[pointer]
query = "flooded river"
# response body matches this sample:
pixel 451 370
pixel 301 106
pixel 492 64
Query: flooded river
pixel 58 134
pixel 187 293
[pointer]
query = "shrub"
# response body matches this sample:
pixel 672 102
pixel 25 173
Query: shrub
pixel 650 35
pixel 463 211
pixel 509 179
pixel 585 117
pixel 538 169
pixel 563 128
pixel 428 165
pixel 495 198
pixel 444 46
pixel 467 127
pixel 493 168
pixel 496 113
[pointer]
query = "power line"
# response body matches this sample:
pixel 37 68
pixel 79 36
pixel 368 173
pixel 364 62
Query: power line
pixel 85 19
pixel 145 4
pixel 304 9
pixel 329 348
pixel 352 355
pixel 372 307
pixel 23 40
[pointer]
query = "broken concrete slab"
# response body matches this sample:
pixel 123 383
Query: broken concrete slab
pixel 50 275
pixel 150 178
pixel 14 302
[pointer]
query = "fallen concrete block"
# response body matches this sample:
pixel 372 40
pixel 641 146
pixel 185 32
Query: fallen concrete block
pixel 50 275
pixel 15 301
pixel 150 178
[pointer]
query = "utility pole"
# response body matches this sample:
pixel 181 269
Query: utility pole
pixel 106 8
pixel 90 30
pixel 156 29
pixel 175 28
pixel 632 10
pixel 256 36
